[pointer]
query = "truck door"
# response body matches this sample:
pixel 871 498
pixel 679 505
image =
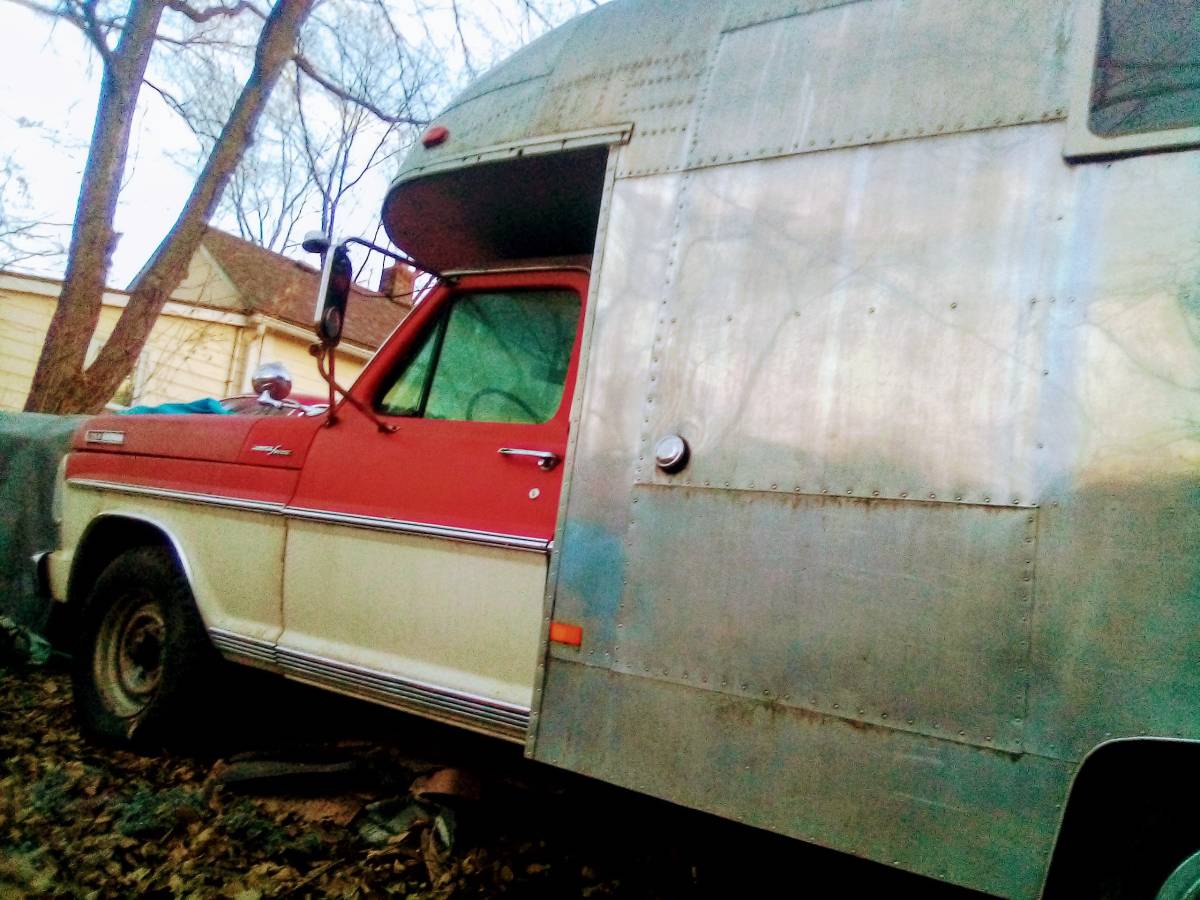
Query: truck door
pixel 416 554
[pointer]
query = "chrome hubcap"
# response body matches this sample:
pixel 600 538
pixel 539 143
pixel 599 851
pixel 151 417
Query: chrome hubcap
pixel 129 655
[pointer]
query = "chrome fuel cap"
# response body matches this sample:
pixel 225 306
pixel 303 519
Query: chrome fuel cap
pixel 671 453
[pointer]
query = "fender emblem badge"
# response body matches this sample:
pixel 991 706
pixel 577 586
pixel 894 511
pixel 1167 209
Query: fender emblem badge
pixel 114 438
pixel 271 450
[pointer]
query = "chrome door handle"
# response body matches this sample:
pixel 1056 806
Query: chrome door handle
pixel 546 459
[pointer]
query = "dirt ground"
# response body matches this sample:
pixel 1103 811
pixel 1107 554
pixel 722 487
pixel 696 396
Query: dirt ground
pixel 316 796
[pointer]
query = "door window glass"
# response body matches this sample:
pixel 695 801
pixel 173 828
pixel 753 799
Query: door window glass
pixel 1147 74
pixel 491 357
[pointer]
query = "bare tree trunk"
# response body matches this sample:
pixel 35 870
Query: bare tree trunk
pixel 88 391
pixel 60 366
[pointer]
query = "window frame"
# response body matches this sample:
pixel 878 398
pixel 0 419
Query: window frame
pixel 406 343
pixel 1081 142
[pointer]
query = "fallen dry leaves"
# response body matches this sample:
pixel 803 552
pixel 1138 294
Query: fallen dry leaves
pixel 78 820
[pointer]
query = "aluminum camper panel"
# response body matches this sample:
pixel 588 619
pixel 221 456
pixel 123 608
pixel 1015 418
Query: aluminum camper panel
pixel 866 322
pixel 887 611
pixel 939 808
pixel 802 83
pixel 626 299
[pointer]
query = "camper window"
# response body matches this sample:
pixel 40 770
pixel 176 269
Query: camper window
pixel 1146 74
pixel 490 357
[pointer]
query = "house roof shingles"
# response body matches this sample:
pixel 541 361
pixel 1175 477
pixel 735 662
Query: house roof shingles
pixel 283 288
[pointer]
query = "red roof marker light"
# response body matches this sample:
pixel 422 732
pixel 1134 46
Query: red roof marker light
pixel 435 136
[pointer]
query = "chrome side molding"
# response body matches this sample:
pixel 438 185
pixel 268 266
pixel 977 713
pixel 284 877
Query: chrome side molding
pixel 374 523
pixel 486 714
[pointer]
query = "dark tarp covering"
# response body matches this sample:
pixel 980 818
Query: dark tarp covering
pixel 31 446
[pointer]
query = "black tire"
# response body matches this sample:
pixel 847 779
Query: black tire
pixel 143 662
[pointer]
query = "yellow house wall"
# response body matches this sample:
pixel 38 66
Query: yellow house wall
pixel 207 283
pixel 23 322
pixel 192 352
pixel 292 351
pixel 185 360
pixel 188 354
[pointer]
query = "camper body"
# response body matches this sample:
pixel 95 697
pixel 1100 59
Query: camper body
pixel 925 587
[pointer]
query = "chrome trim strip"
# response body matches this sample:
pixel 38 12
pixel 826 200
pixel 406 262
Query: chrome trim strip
pixel 176 545
pixel 501 269
pixel 549 143
pixel 406 692
pixel 182 496
pixel 417 696
pixel 375 523
pixel 238 645
pixel 464 535
pixel 41 574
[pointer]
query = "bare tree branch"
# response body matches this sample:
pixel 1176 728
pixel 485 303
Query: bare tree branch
pixel 200 16
pixel 462 39
pixel 83 17
pixel 338 91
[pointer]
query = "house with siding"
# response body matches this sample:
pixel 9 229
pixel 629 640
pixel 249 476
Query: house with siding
pixel 239 306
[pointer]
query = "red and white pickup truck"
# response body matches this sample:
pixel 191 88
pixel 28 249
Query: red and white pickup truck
pixel 405 563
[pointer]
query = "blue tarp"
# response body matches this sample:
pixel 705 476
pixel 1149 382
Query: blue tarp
pixel 207 405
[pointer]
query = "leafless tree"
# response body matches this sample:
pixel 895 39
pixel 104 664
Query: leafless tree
pixel 371 105
pixel 124 40
pixel 352 103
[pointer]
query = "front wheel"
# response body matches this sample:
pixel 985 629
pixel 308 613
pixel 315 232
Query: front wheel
pixel 143 660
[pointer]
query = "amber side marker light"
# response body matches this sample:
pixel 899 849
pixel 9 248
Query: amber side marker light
pixel 562 633
pixel 434 136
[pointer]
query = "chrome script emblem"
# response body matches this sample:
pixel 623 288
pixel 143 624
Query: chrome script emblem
pixel 275 450
pixel 113 438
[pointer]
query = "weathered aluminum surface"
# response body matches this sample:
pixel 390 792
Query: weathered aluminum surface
pixel 498 106
pixel 627 288
pixel 804 83
pixel 975 817
pixel 1118 604
pixel 710 81
pixel 978 321
pixel 583 376
pixel 873 322
pixel 644 63
pixel 913 616
pixel 744 15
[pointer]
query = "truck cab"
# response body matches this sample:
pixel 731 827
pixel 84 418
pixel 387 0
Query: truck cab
pixel 405 561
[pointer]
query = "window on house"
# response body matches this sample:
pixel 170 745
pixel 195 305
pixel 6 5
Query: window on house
pixel 490 357
pixel 1147 69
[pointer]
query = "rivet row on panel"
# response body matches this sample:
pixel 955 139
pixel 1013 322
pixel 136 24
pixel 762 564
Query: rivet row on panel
pixel 853 493
pixel 749 691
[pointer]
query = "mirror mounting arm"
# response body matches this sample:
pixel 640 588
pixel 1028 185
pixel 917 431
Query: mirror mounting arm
pixel 322 353
pixel 399 257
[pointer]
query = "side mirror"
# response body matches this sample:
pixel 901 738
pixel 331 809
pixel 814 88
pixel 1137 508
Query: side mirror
pixel 337 274
pixel 315 242
pixel 274 378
